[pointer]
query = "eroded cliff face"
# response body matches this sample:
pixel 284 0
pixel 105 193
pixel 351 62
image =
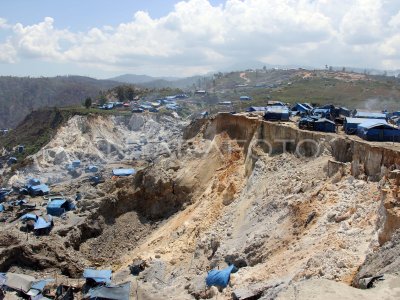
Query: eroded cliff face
pixel 282 203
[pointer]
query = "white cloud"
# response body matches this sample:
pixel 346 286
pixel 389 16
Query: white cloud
pixel 197 36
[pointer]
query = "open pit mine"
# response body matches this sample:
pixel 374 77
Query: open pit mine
pixel 226 207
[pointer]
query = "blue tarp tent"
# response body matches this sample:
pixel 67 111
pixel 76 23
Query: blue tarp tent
pixel 91 169
pixel 33 182
pixel 380 132
pixel 322 112
pixel 4 193
pixel 324 125
pixel 350 124
pixel 275 113
pixel 370 115
pixel 256 108
pixel 114 292
pixel 99 276
pixel 12 160
pixel 245 98
pixel 220 278
pixel 76 163
pixel 302 108
pixel 57 206
pixel 1 207
pixel 39 190
pixel 42 223
pixel 28 217
pixel 123 172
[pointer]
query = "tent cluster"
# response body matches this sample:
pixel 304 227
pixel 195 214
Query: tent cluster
pixel 40 225
pixel 35 188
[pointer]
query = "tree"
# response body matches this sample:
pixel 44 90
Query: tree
pixel 120 93
pixel 102 98
pixel 88 102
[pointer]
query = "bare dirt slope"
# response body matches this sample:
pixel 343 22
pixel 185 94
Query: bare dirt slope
pixel 288 217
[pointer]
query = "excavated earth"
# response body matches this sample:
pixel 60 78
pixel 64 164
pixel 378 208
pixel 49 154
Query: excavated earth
pixel 302 214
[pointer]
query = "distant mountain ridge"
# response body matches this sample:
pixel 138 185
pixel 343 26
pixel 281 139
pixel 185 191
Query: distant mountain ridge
pixel 158 82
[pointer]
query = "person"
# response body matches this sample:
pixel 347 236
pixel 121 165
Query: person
pixel 78 196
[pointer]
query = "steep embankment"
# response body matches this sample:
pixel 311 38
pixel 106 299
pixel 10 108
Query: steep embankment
pixel 312 211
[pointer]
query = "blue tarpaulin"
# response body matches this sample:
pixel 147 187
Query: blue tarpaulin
pixel 123 172
pixel 114 292
pixel 220 278
pixel 100 276
pixel 29 217
pixel 39 190
pixel 76 163
pixel 41 223
pixel 380 132
pixel 277 113
pixel 33 182
pixel 370 115
pixel 57 206
pixel 91 169
pixel 1 207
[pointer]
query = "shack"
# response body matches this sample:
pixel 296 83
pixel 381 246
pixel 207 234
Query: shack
pixel 379 132
pixel 324 125
pixel 275 113
pixel 38 190
pixel 350 124
pixel 58 206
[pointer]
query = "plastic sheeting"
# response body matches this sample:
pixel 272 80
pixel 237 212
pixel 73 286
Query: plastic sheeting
pixel 123 172
pixel 98 275
pixel 117 292
pixel 220 278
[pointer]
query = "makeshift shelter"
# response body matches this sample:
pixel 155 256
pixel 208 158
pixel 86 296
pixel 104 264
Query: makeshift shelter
pixel 43 225
pixel 245 98
pixel 111 292
pixel 307 122
pixel 123 172
pixel 256 108
pixel 324 125
pixel 275 113
pixel 97 276
pixel 220 278
pixel 4 193
pixel 350 124
pixel 91 169
pixel 12 160
pixel 38 190
pixel 1 207
pixel 302 108
pixel 58 206
pixel 376 131
pixel 322 112
pixel 369 115
pixel 76 163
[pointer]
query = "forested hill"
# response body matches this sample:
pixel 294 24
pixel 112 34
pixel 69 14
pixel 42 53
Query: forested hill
pixel 21 95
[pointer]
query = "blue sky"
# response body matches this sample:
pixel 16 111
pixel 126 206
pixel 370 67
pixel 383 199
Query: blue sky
pixel 103 39
pixel 83 14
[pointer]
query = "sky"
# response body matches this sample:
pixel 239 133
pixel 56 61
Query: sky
pixel 103 38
